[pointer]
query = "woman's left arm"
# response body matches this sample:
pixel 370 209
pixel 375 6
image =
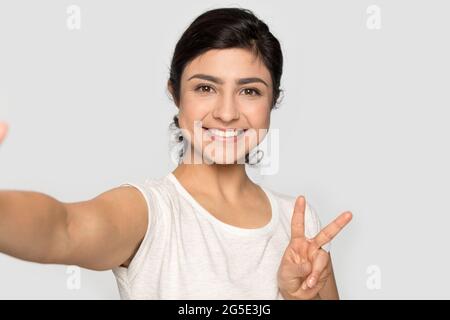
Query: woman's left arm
pixel 306 271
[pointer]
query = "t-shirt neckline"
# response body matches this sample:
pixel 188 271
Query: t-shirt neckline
pixel 268 228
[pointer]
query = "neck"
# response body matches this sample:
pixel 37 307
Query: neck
pixel 228 180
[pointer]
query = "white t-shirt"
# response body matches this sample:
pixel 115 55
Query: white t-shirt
pixel 187 253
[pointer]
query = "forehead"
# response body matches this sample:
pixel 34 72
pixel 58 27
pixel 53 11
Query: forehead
pixel 228 63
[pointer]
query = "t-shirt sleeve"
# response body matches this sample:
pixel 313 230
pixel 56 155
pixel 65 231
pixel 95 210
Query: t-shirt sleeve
pixel 147 192
pixel 313 225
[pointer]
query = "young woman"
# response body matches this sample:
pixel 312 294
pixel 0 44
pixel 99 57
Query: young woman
pixel 205 230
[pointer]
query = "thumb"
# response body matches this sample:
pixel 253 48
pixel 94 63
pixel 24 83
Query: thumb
pixel 301 270
pixel 304 268
pixel 319 264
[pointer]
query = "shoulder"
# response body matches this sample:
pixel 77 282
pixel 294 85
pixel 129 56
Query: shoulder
pixel 286 204
pixel 313 223
pixel 151 195
pixel 155 191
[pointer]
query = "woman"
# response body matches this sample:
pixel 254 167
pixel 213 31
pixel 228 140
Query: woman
pixel 205 230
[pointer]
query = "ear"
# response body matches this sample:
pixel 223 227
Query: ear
pixel 172 92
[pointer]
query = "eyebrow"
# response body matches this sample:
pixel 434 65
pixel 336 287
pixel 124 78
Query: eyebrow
pixel 220 81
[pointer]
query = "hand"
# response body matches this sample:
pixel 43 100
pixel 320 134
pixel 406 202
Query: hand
pixel 3 131
pixel 305 267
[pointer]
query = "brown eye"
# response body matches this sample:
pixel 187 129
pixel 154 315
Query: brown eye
pixel 250 91
pixel 204 89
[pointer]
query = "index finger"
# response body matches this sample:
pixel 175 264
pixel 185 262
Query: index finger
pixel 333 228
pixel 298 218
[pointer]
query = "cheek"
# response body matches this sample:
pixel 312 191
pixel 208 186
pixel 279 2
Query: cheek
pixel 258 117
pixel 190 112
pixel 188 105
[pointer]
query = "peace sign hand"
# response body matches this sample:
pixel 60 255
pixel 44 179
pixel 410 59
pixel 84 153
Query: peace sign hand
pixel 304 268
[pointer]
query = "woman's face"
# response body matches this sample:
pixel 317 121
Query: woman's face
pixel 224 107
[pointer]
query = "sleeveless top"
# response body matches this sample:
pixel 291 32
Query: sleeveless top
pixel 187 253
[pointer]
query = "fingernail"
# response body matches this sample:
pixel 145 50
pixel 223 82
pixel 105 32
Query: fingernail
pixel 311 282
pixel 304 287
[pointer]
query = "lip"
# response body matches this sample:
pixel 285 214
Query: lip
pixel 226 129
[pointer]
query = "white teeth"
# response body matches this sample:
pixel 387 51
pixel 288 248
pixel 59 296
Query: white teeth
pixel 227 133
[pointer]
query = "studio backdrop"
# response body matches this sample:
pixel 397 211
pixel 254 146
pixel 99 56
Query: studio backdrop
pixel 363 125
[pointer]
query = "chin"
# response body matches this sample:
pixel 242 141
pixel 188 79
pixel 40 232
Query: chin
pixel 221 158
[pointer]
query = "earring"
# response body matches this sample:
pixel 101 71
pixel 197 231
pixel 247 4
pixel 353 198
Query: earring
pixel 259 155
pixel 176 144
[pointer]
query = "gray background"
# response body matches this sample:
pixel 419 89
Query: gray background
pixel 362 125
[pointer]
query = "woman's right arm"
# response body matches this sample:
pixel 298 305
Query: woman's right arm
pixel 99 234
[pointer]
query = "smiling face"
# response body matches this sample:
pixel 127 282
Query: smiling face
pixel 225 103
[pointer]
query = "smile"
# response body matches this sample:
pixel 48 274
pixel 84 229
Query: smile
pixel 224 134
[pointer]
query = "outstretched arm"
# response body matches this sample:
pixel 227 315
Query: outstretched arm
pixel 98 234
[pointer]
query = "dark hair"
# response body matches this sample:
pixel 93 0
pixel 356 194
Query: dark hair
pixel 221 29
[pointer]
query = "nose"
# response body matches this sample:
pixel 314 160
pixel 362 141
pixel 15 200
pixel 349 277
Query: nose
pixel 226 110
